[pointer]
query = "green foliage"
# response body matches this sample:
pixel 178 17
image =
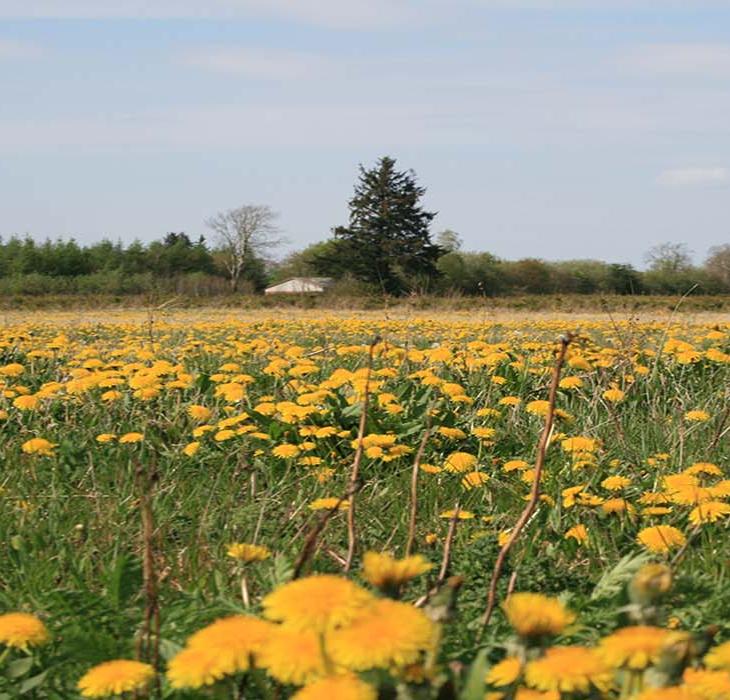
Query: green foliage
pixel 387 242
pixel 71 521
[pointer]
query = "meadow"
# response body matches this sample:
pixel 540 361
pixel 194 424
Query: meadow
pixel 298 504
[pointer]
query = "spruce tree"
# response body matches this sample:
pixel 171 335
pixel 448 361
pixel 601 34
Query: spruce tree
pixel 387 242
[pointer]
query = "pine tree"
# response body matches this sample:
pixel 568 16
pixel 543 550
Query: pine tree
pixel 387 242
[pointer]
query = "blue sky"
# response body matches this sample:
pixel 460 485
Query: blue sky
pixel 556 129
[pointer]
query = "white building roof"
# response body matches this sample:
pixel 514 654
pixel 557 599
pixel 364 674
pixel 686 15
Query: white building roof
pixel 300 285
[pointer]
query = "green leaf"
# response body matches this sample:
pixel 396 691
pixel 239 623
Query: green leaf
pixel 475 683
pixel 203 382
pixel 282 570
pixel 125 580
pixel 19 667
pixel 352 411
pixel 613 580
pixel 33 682
pixel 168 648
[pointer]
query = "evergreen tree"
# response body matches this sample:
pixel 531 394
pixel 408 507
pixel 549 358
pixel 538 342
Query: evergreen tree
pixel 387 242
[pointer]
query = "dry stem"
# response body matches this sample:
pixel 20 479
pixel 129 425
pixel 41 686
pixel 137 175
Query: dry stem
pixel 542 444
pixel 445 560
pixel 355 474
pixel 414 484
pixel 148 646
pixel 314 533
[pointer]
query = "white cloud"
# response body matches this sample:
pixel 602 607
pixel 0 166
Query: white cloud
pixel 256 63
pixel 11 50
pixel 336 13
pixel 692 60
pixel 693 176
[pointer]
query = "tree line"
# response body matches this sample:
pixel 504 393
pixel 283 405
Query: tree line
pixel 386 247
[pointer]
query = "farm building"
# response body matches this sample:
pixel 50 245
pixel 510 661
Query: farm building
pixel 300 285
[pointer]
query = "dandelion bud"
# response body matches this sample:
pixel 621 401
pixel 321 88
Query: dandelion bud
pixel 679 650
pixel 649 584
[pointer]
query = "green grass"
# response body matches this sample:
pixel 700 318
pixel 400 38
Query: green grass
pixel 71 522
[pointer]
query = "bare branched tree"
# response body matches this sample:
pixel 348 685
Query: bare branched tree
pixel 718 264
pixel 246 236
pixel 669 257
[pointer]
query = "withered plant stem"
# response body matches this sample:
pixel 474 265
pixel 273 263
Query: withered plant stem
pixel 148 644
pixel 355 473
pixel 414 484
pixel 529 509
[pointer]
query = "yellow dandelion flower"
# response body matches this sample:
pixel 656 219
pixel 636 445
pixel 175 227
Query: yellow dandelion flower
pixel 199 413
pixel 719 657
pixel 343 687
pixel 451 433
pixel 536 615
pixel 572 669
pixel 285 451
pixel 430 468
pixel 708 685
pixel 660 539
pixel 462 515
pixel 191 448
pixel 709 512
pixel 632 647
pixel 579 444
pixel 704 468
pixel 697 416
pixel 484 433
pixel 616 483
pixel 474 479
pixel 383 571
pixel 460 462
pixel 317 602
pixel 39 446
pixel 114 678
pixel 22 630
pixel 617 505
pixel 506 672
pixel 515 465
pixel 530 694
pixel 613 395
pixel 293 656
pixel 323 474
pixel 246 632
pixel 402 632
pixel 195 667
pixel 537 408
pixel 579 533
pixel 26 403
pixel 655 510
pixel 328 504
pixel 676 692
pixel 503 537
pixel 653 499
pixel 131 438
pixel 225 647
pixel 507 401
pixel 244 552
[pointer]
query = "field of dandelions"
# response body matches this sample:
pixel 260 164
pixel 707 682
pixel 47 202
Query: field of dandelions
pixel 196 506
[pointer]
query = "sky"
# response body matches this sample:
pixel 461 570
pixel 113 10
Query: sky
pixel 540 128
